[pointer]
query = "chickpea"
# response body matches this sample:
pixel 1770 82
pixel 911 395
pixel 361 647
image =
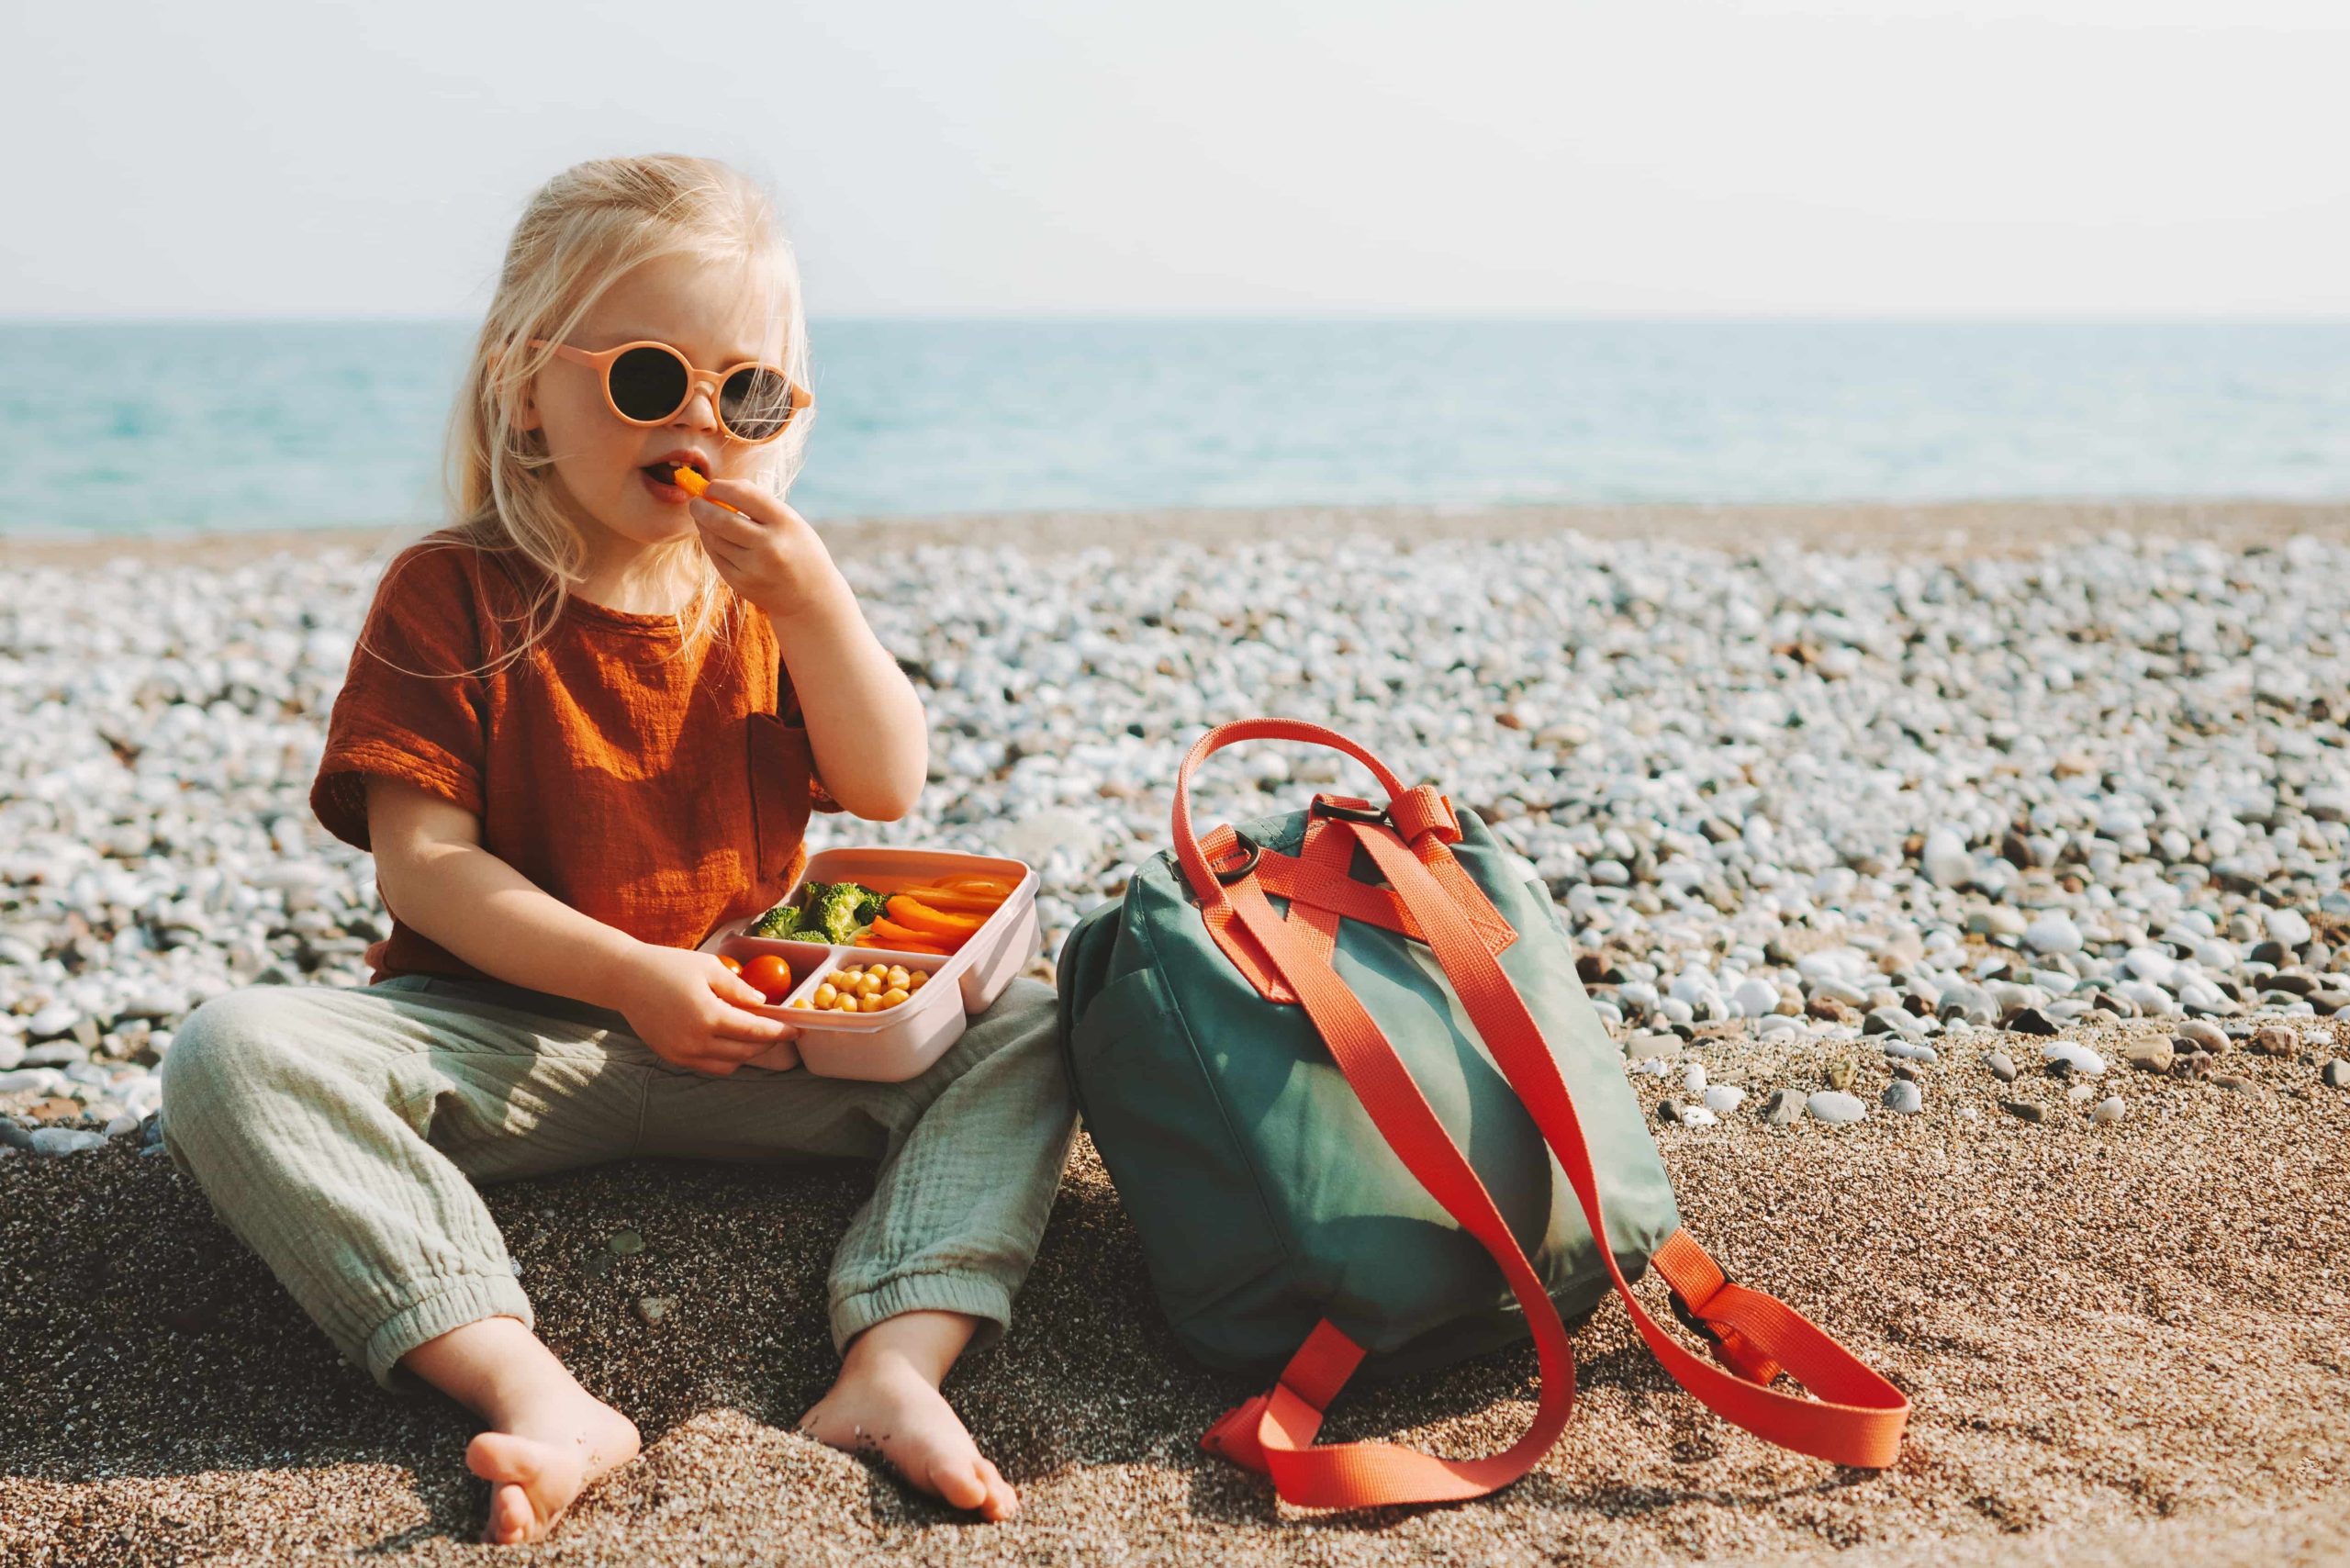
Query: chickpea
pixel 870 1001
pixel 847 1003
pixel 878 971
pixel 918 979
pixel 826 994
pixel 897 975
pixel 894 995
pixel 802 1003
pixel 870 985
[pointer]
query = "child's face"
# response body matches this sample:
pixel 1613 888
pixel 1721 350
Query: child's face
pixel 718 316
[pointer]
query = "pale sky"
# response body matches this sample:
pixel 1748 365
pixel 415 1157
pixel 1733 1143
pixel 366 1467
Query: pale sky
pixel 2136 158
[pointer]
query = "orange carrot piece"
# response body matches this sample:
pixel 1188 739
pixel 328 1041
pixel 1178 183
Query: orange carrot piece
pixel 902 945
pixel 919 916
pixel 949 902
pixel 897 935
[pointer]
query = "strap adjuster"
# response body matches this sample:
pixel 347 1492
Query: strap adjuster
pixel 1256 852
pixel 1732 1349
pixel 1348 808
pixel 1689 1319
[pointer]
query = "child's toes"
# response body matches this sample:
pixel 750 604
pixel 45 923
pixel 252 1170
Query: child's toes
pixel 510 1516
pixel 957 1479
pixel 1002 1502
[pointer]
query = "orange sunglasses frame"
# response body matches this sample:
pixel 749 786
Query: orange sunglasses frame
pixel 697 378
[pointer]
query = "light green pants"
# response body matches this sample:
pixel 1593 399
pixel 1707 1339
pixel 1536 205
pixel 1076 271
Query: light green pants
pixel 338 1132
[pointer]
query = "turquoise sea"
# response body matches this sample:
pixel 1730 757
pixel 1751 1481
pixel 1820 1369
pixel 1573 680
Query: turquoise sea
pixel 122 428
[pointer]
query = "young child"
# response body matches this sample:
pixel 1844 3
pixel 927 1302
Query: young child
pixel 571 741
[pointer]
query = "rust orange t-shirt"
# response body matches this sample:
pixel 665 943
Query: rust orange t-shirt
pixel 661 792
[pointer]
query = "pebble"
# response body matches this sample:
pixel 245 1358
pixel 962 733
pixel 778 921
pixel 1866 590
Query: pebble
pixel 2153 1057
pixel 1840 1075
pixel 2205 1035
pixel 1779 1111
pixel 1835 1106
pixel 64 1140
pixel 2233 1081
pixel 2068 1056
pixel 2023 1109
pixel 1904 1097
pixel 2275 1040
pixel 2337 1074
pixel 2053 934
pixel 2002 1066
pixel 652 1309
pixel 1642 1047
pixel 2109 1109
pixel 627 1243
pixel 1724 1098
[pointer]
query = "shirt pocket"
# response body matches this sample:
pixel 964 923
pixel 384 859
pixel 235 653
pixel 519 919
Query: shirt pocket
pixel 780 765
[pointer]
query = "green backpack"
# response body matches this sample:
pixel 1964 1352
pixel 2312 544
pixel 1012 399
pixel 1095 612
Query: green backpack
pixel 1341 1068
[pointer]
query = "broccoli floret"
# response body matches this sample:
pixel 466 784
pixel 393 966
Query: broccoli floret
pixel 782 922
pixel 870 905
pixel 832 909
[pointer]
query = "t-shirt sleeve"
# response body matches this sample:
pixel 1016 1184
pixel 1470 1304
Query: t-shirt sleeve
pixel 412 703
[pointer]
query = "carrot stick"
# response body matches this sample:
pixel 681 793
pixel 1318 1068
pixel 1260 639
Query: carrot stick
pixel 916 915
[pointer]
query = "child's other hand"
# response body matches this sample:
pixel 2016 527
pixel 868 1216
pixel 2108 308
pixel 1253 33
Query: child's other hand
pixel 770 556
pixel 681 1003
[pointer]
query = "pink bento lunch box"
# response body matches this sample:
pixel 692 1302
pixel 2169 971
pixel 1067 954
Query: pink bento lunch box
pixel 902 1041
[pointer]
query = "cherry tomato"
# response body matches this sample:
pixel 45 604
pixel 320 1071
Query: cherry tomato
pixel 771 976
pixel 731 962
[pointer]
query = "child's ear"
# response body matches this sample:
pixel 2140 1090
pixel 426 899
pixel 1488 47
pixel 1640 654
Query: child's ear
pixel 527 419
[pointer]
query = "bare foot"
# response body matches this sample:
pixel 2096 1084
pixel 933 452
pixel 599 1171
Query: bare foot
pixel 548 1454
pixel 882 1404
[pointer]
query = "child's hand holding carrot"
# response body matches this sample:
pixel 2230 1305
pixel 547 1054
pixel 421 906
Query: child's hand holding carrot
pixel 765 550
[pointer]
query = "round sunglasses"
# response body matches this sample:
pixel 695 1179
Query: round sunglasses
pixel 648 383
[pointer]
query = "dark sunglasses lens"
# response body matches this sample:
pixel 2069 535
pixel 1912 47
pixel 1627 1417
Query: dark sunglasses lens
pixel 648 383
pixel 755 403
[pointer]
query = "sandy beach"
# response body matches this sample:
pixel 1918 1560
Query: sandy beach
pixel 1835 799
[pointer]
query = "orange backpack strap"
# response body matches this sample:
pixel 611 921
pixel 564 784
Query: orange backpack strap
pixel 1857 1419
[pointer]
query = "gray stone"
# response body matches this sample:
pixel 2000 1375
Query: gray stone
pixel 626 1244
pixel 2023 1109
pixel 1780 1109
pixel 65 1140
pixel 2275 1040
pixel 652 1309
pixel 2337 1074
pixel 2002 1066
pixel 2206 1036
pixel 1904 1097
pixel 1834 1107
pixel 1640 1047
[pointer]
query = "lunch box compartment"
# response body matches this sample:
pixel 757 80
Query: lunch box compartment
pixel 900 1043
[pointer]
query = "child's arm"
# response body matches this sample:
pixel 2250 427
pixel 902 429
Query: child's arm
pixel 865 723
pixel 442 883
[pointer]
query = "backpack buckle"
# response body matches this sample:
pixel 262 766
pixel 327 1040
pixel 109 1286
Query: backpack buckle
pixel 1256 852
pixel 1689 1319
pixel 1732 1349
pixel 1347 808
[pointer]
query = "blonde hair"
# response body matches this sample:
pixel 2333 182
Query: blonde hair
pixel 580 233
